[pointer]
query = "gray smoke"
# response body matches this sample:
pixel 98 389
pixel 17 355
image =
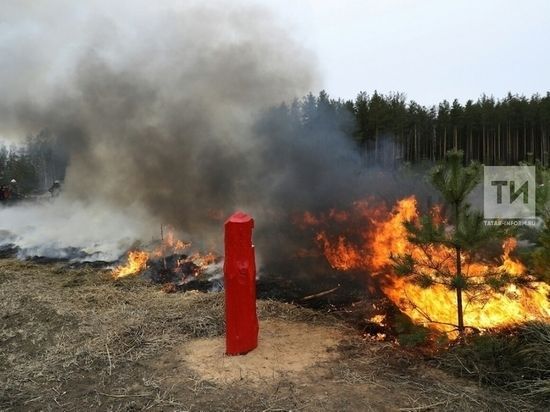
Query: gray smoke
pixel 156 105
pixel 167 110
pixel 71 229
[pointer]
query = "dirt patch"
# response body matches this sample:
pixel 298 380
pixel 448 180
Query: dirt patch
pixel 284 348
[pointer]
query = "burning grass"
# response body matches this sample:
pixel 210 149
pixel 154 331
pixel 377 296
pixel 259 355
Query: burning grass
pixel 370 234
pixel 74 339
pixel 167 261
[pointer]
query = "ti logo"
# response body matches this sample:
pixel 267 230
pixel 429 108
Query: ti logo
pixel 509 192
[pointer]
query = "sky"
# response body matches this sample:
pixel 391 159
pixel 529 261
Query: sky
pixel 428 49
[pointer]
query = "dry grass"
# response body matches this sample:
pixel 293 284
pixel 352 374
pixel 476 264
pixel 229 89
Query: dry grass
pixel 74 339
pixel 417 385
pixel 515 358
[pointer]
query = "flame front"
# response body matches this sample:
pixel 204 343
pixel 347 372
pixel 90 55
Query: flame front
pixel 137 261
pixel 170 245
pixel 202 261
pixel 381 234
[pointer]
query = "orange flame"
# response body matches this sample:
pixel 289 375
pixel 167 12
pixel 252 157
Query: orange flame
pixel 202 261
pixel 170 245
pixel 137 261
pixel 341 255
pixel 382 234
pixel 512 266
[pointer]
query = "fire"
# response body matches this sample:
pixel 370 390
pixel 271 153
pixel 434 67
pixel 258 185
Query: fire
pixel 169 246
pixel 203 261
pixel 379 233
pixel 341 255
pixel 380 319
pixel 512 266
pixel 137 261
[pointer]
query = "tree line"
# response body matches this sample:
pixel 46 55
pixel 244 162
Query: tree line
pixel 389 129
pixel 34 165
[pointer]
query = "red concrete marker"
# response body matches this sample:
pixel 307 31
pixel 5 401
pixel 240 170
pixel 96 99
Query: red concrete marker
pixel 241 334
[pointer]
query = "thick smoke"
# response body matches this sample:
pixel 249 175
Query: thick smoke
pixel 166 110
pixel 155 104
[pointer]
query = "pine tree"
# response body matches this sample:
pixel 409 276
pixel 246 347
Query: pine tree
pixel 459 237
pixel 541 256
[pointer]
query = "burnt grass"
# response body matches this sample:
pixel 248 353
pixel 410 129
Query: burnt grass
pixel 72 338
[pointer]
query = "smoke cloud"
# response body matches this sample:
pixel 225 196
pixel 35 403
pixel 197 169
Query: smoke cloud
pixel 155 104
pixel 71 229
pixel 165 113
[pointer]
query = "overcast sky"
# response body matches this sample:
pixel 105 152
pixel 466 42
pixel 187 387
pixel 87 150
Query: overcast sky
pixel 428 49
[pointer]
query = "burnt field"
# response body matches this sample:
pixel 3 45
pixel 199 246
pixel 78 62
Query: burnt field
pixel 75 339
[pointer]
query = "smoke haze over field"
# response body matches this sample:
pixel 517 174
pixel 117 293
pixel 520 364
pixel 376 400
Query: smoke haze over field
pixel 70 229
pixel 154 103
pixel 165 108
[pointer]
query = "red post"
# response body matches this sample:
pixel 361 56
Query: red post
pixel 241 334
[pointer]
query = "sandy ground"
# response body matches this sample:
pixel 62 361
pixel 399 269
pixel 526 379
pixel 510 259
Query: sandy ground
pixel 280 353
pixel 75 339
